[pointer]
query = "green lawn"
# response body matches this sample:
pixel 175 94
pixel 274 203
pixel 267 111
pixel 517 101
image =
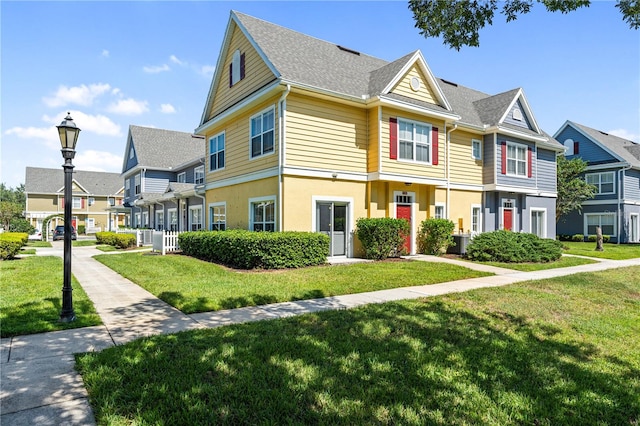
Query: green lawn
pixel 38 244
pixel 83 243
pixel 611 251
pixel 31 299
pixel 563 262
pixel 193 285
pixel 562 351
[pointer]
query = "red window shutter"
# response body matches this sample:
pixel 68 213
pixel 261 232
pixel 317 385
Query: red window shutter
pixel 504 157
pixel 529 161
pixel 576 148
pixel 393 138
pixel 82 203
pixel 230 75
pixel 242 66
pixel 434 145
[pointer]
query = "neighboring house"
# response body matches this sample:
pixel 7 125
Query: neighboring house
pixel 94 195
pixel 303 134
pixel 613 166
pixel 162 170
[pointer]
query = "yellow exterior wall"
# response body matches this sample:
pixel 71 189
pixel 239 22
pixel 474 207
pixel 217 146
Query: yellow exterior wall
pixel 459 205
pixel 238 145
pixel 406 167
pixel 237 198
pixel 425 93
pixel 41 205
pixel 373 147
pixel 463 168
pixel 325 135
pixel 257 74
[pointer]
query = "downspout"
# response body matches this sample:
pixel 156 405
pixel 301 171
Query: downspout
pixel 447 168
pixel 282 105
pixel 620 188
pixel 204 211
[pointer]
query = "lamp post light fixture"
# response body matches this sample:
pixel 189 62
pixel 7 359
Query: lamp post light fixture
pixel 68 132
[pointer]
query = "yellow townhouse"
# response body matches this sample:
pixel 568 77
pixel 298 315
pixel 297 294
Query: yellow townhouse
pixel 307 135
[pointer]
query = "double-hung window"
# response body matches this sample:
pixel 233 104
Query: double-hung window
pixel 195 218
pixel 218 217
pixel 606 222
pixel 475 219
pixel 198 175
pixel 216 152
pixel 127 188
pixel 182 177
pixel 414 141
pixel 604 182
pixel 262 133
pixel 476 149
pixel 76 203
pixel 263 215
pixel 137 184
pixel 516 159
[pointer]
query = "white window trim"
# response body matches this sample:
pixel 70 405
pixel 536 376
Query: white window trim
pixel 479 230
pixel 254 200
pixel 137 184
pixel 568 147
pixel 171 211
pixel 526 160
pixel 73 203
pixel 196 171
pixel 429 134
pixel 444 210
pixel 349 201
pixel 224 135
pixel 637 216
pixel 513 208
pixel 212 205
pixel 183 176
pixel 599 174
pixel 145 219
pixel 137 220
pixel 260 114
pixel 544 223
pixel 191 209
pixel 615 222
pixel 159 213
pixel 479 142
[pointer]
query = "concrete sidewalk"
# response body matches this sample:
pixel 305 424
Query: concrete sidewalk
pixel 39 382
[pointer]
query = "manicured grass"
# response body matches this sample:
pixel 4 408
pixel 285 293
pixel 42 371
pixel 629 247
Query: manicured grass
pixel 611 251
pixel 31 299
pixel 193 285
pixel 563 262
pixel 562 351
pixel 83 243
pixel 26 250
pixel 106 248
pixel 38 244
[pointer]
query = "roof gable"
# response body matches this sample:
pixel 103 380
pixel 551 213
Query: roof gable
pixel 51 181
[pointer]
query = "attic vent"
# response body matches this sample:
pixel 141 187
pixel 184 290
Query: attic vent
pixel 606 134
pixel 449 82
pixel 355 52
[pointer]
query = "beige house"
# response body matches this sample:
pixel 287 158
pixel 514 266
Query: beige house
pixel 308 135
pixel 96 197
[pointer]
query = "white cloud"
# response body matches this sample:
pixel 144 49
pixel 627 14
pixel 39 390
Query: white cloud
pixel 98 124
pixel 105 53
pixel 128 106
pixel 625 134
pixel 167 109
pixel 156 69
pixel 79 95
pixel 175 60
pixel 207 70
pixel 99 161
pixel 48 135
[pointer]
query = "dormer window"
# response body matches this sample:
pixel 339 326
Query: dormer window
pixel 517 114
pixel 236 68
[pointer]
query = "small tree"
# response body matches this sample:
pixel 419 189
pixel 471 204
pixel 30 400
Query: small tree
pixel 572 188
pixel 9 211
pixel 435 236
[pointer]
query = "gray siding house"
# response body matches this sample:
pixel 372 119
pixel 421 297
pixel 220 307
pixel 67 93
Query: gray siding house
pixel 613 166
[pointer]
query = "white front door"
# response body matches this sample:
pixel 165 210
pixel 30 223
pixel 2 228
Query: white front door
pixel 634 225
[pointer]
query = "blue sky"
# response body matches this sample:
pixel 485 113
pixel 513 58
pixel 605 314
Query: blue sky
pixel 149 63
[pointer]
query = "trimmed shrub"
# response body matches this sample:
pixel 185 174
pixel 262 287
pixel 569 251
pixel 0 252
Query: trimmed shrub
pixel 382 237
pixel 116 240
pixel 244 249
pixel 578 238
pixel 81 229
pixel 507 246
pixel 11 243
pixel 435 236
pixel 593 238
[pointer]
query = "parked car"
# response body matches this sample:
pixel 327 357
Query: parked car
pixel 37 235
pixel 58 233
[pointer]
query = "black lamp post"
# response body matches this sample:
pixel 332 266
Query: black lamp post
pixel 68 138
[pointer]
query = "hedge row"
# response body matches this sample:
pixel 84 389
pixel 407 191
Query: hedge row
pixel 243 249
pixel 579 238
pixel 382 237
pixel 507 246
pixel 116 240
pixel 11 243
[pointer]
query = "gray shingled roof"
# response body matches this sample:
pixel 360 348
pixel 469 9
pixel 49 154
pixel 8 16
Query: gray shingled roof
pixel 50 181
pixel 164 149
pixel 492 108
pixel 625 149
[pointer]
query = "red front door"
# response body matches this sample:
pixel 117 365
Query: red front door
pixel 403 211
pixel 507 219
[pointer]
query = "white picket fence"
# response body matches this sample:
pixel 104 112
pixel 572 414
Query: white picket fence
pixel 165 241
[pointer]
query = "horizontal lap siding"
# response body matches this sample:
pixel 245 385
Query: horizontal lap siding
pixel 511 180
pixel 632 185
pixel 257 74
pixel 325 135
pixel 237 144
pixel 488 160
pixel 373 156
pixel 424 94
pixel 464 168
pixel 546 170
pixel 587 150
pixel 37 203
pixel 157 185
pixel 408 168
